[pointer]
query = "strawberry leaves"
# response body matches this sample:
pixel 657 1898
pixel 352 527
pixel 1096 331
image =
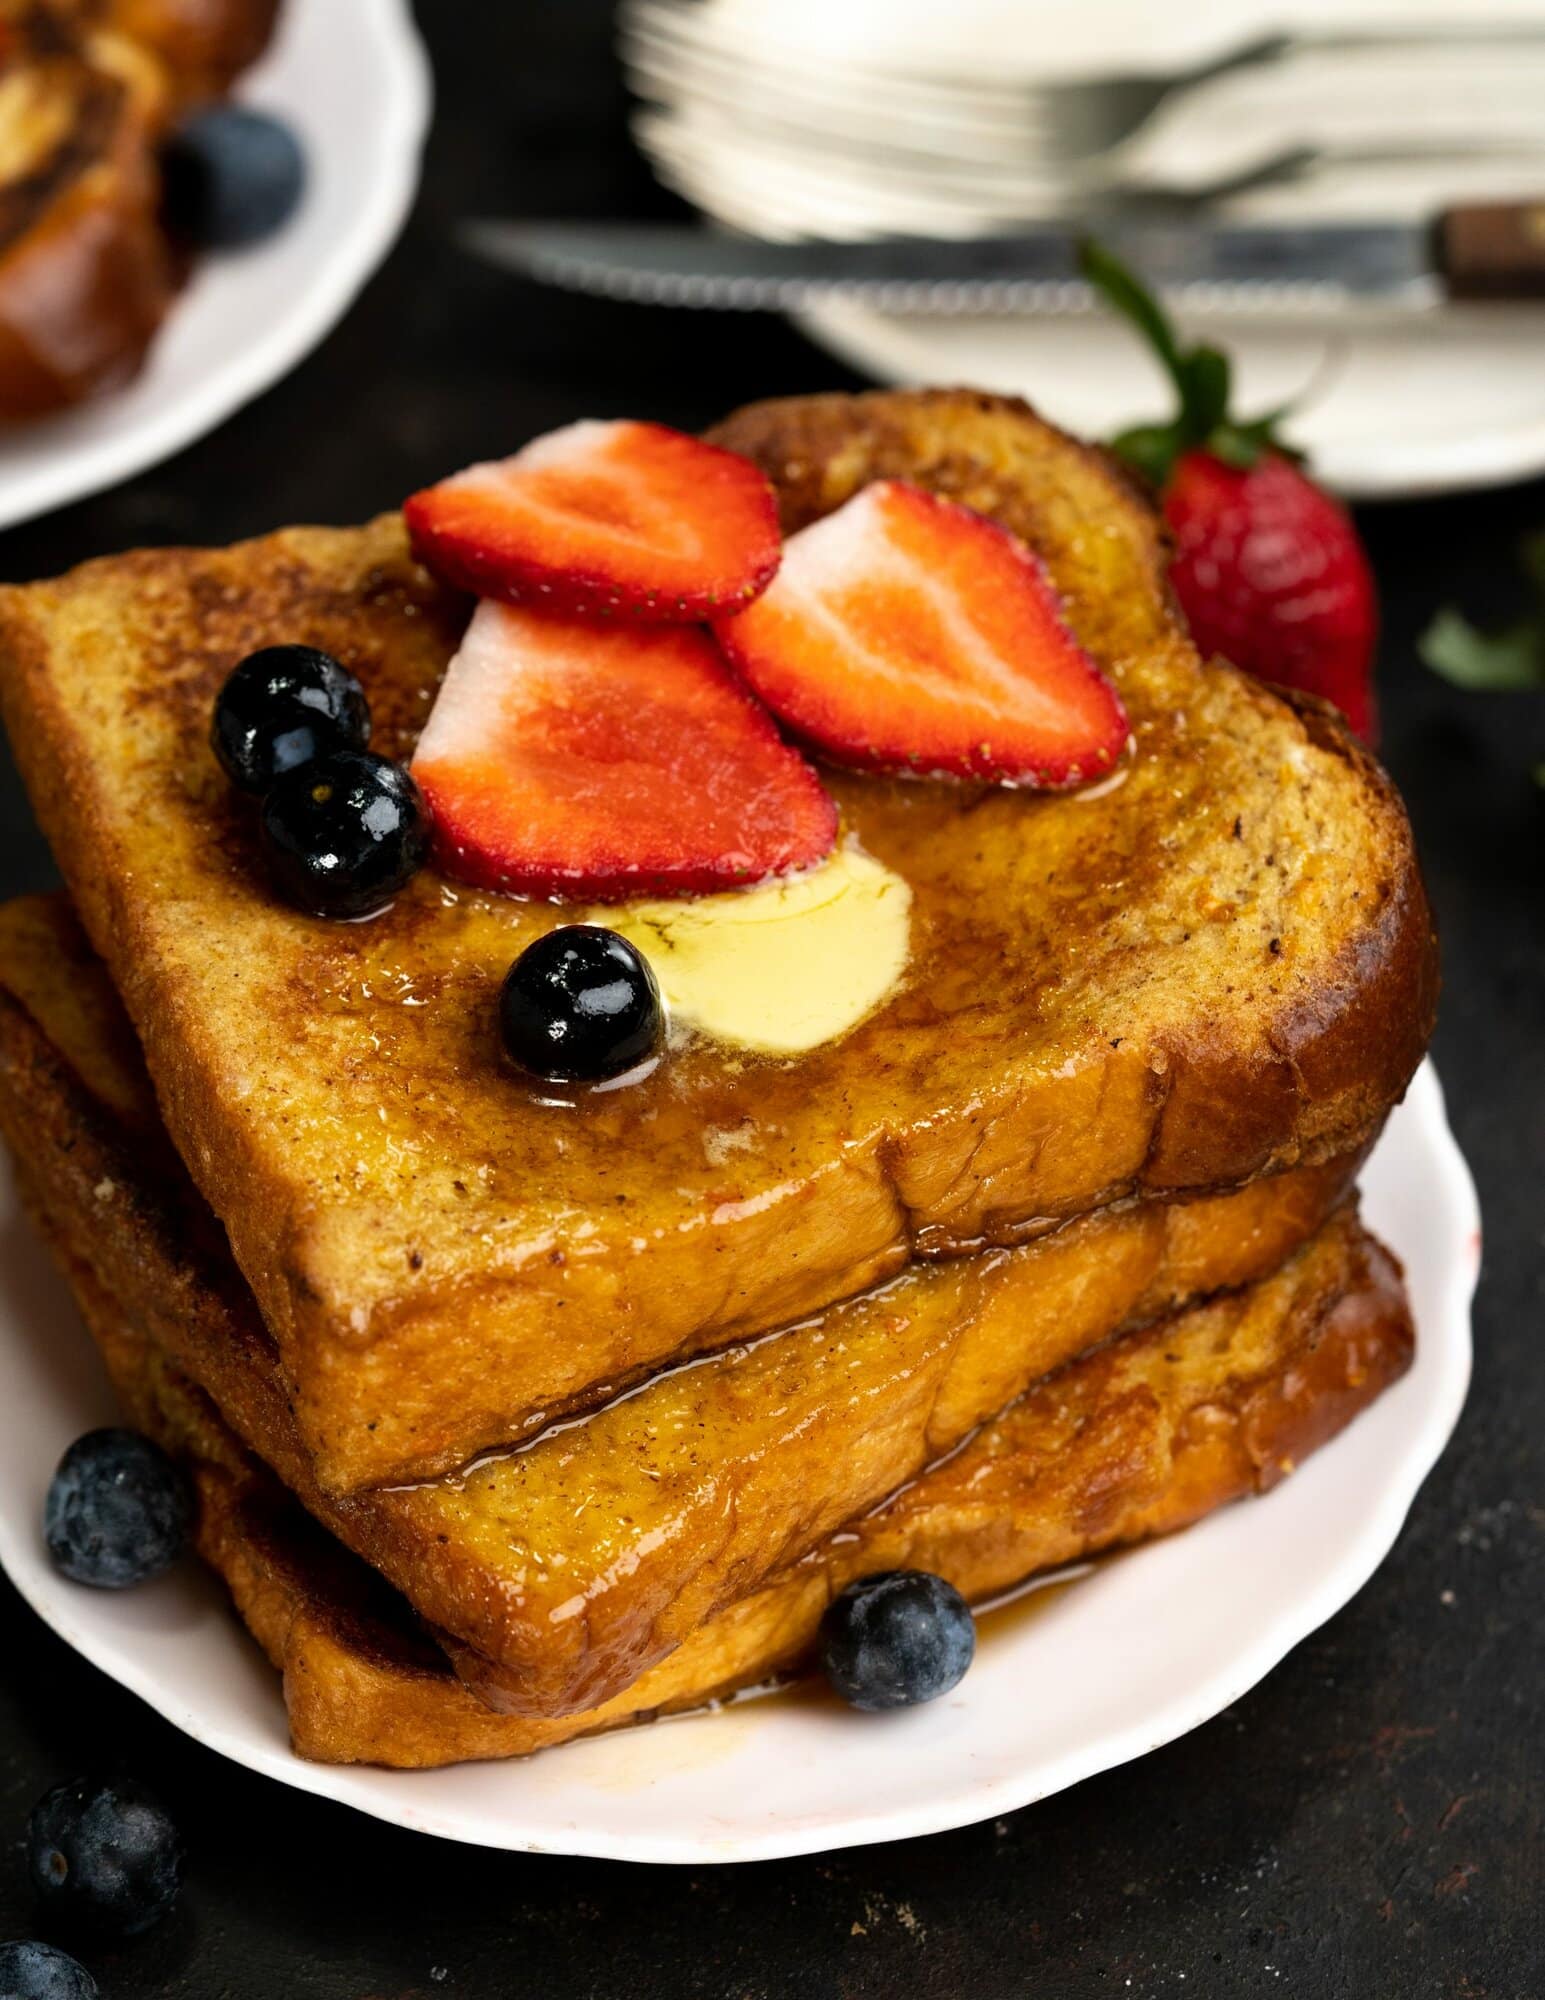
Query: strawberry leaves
pixel 1202 376
pixel 1507 662
pixel 1511 661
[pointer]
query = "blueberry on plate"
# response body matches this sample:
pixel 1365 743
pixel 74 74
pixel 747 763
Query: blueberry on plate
pixel 344 833
pixel 33 1971
pixel 896 1639
pixel 118 1510
pixel 231 176
pixel 580 1005
pixel 104 1856
pixel 282 707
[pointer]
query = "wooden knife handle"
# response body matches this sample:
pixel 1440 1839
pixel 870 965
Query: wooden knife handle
pixel 1494 250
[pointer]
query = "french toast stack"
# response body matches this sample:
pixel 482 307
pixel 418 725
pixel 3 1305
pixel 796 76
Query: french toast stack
pixel 514 1418
pixel 87 90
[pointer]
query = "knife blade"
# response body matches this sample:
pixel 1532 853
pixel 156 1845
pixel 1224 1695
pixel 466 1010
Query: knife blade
pixel 1496 251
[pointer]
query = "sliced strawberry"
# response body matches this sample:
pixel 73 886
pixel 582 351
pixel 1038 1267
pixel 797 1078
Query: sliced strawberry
pixel 591 761
pixel 605 517
pixel 905 633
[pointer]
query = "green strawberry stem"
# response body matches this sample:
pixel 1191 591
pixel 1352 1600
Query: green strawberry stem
pixel 1202 377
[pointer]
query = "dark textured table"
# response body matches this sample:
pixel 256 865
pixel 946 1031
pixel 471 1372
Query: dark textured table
pixel 1368 1822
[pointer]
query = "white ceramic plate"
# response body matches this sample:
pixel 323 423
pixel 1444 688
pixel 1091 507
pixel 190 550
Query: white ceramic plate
pixel 352 78
pixel 1133 1654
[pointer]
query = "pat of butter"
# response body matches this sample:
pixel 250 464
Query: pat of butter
pixel 782 967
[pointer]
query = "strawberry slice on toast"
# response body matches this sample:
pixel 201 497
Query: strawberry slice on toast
pixel 905 633
pixel 597 762
pixel 600 518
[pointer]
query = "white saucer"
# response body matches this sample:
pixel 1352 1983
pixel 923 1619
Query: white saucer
pixel 1144 1648
pixel 352 78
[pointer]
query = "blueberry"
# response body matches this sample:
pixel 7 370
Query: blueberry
pixel 33 1971
pixel 231 176
pixel 892 1640
pixel 104 1856
pixel 282 707
pixel 580 1004
pixel 118 1510
pixel 344 833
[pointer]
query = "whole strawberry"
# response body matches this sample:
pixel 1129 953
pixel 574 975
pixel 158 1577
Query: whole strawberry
pixel 1268 568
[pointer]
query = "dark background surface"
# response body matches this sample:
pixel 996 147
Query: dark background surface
pixel 1368 1822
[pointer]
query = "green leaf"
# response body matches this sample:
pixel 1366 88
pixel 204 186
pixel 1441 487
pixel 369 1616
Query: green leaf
pixel 1236 445
pixel 1259 435
pixel 1202 377
pixel 1204 389
pixel 1507 661
pixel 1124 293
pixel 1150 449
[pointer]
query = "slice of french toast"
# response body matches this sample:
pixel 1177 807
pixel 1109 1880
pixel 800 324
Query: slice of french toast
pixel 85 272
pixel 1215 966
pixel 1144 1437
pixel 203 44
pixel 671 1503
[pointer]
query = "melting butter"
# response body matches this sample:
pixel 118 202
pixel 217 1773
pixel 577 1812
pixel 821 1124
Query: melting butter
pixel 782 967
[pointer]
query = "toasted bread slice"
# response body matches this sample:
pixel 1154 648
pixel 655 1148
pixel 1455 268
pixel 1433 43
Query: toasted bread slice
pixel 85 273
pixel 1144 1437
pixel 1216 966
pixel 667 1505
pixel 204 44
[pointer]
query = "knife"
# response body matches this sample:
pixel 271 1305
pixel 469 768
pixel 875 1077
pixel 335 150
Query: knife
pixel 1493 251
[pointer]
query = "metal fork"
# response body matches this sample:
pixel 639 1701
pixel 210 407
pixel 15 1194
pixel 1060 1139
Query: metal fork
pixel 1053 122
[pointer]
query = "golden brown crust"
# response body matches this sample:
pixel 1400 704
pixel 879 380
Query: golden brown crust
pixel 669 1505
pixel 85 273
pixel 1350 1044
pixel 205 44
pixel 1135 1441
pixel 1220 968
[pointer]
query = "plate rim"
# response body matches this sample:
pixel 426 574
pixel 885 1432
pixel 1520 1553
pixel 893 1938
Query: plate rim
pixel 91 465
pixel 390 1796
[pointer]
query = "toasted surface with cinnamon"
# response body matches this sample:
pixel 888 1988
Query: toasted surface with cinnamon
pixel 1146 1436
pixel 1216 966
pixel 85 272
pixel 567 1568
pixel 204 44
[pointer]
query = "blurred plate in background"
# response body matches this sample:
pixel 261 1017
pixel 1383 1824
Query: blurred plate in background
pixel 871 120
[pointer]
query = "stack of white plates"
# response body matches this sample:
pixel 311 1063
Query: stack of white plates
pixel 863 119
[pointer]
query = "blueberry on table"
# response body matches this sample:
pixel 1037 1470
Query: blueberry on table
pixel 33 1971
pixel 118 1510
pixel 104 1857
pixel 580 1005
pixel 231 176
pixel 896 1639
pixel 283 707
pixel 344 833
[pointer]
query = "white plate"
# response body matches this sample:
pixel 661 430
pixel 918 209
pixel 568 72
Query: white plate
pixel 1146 1647
pixel 352 78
